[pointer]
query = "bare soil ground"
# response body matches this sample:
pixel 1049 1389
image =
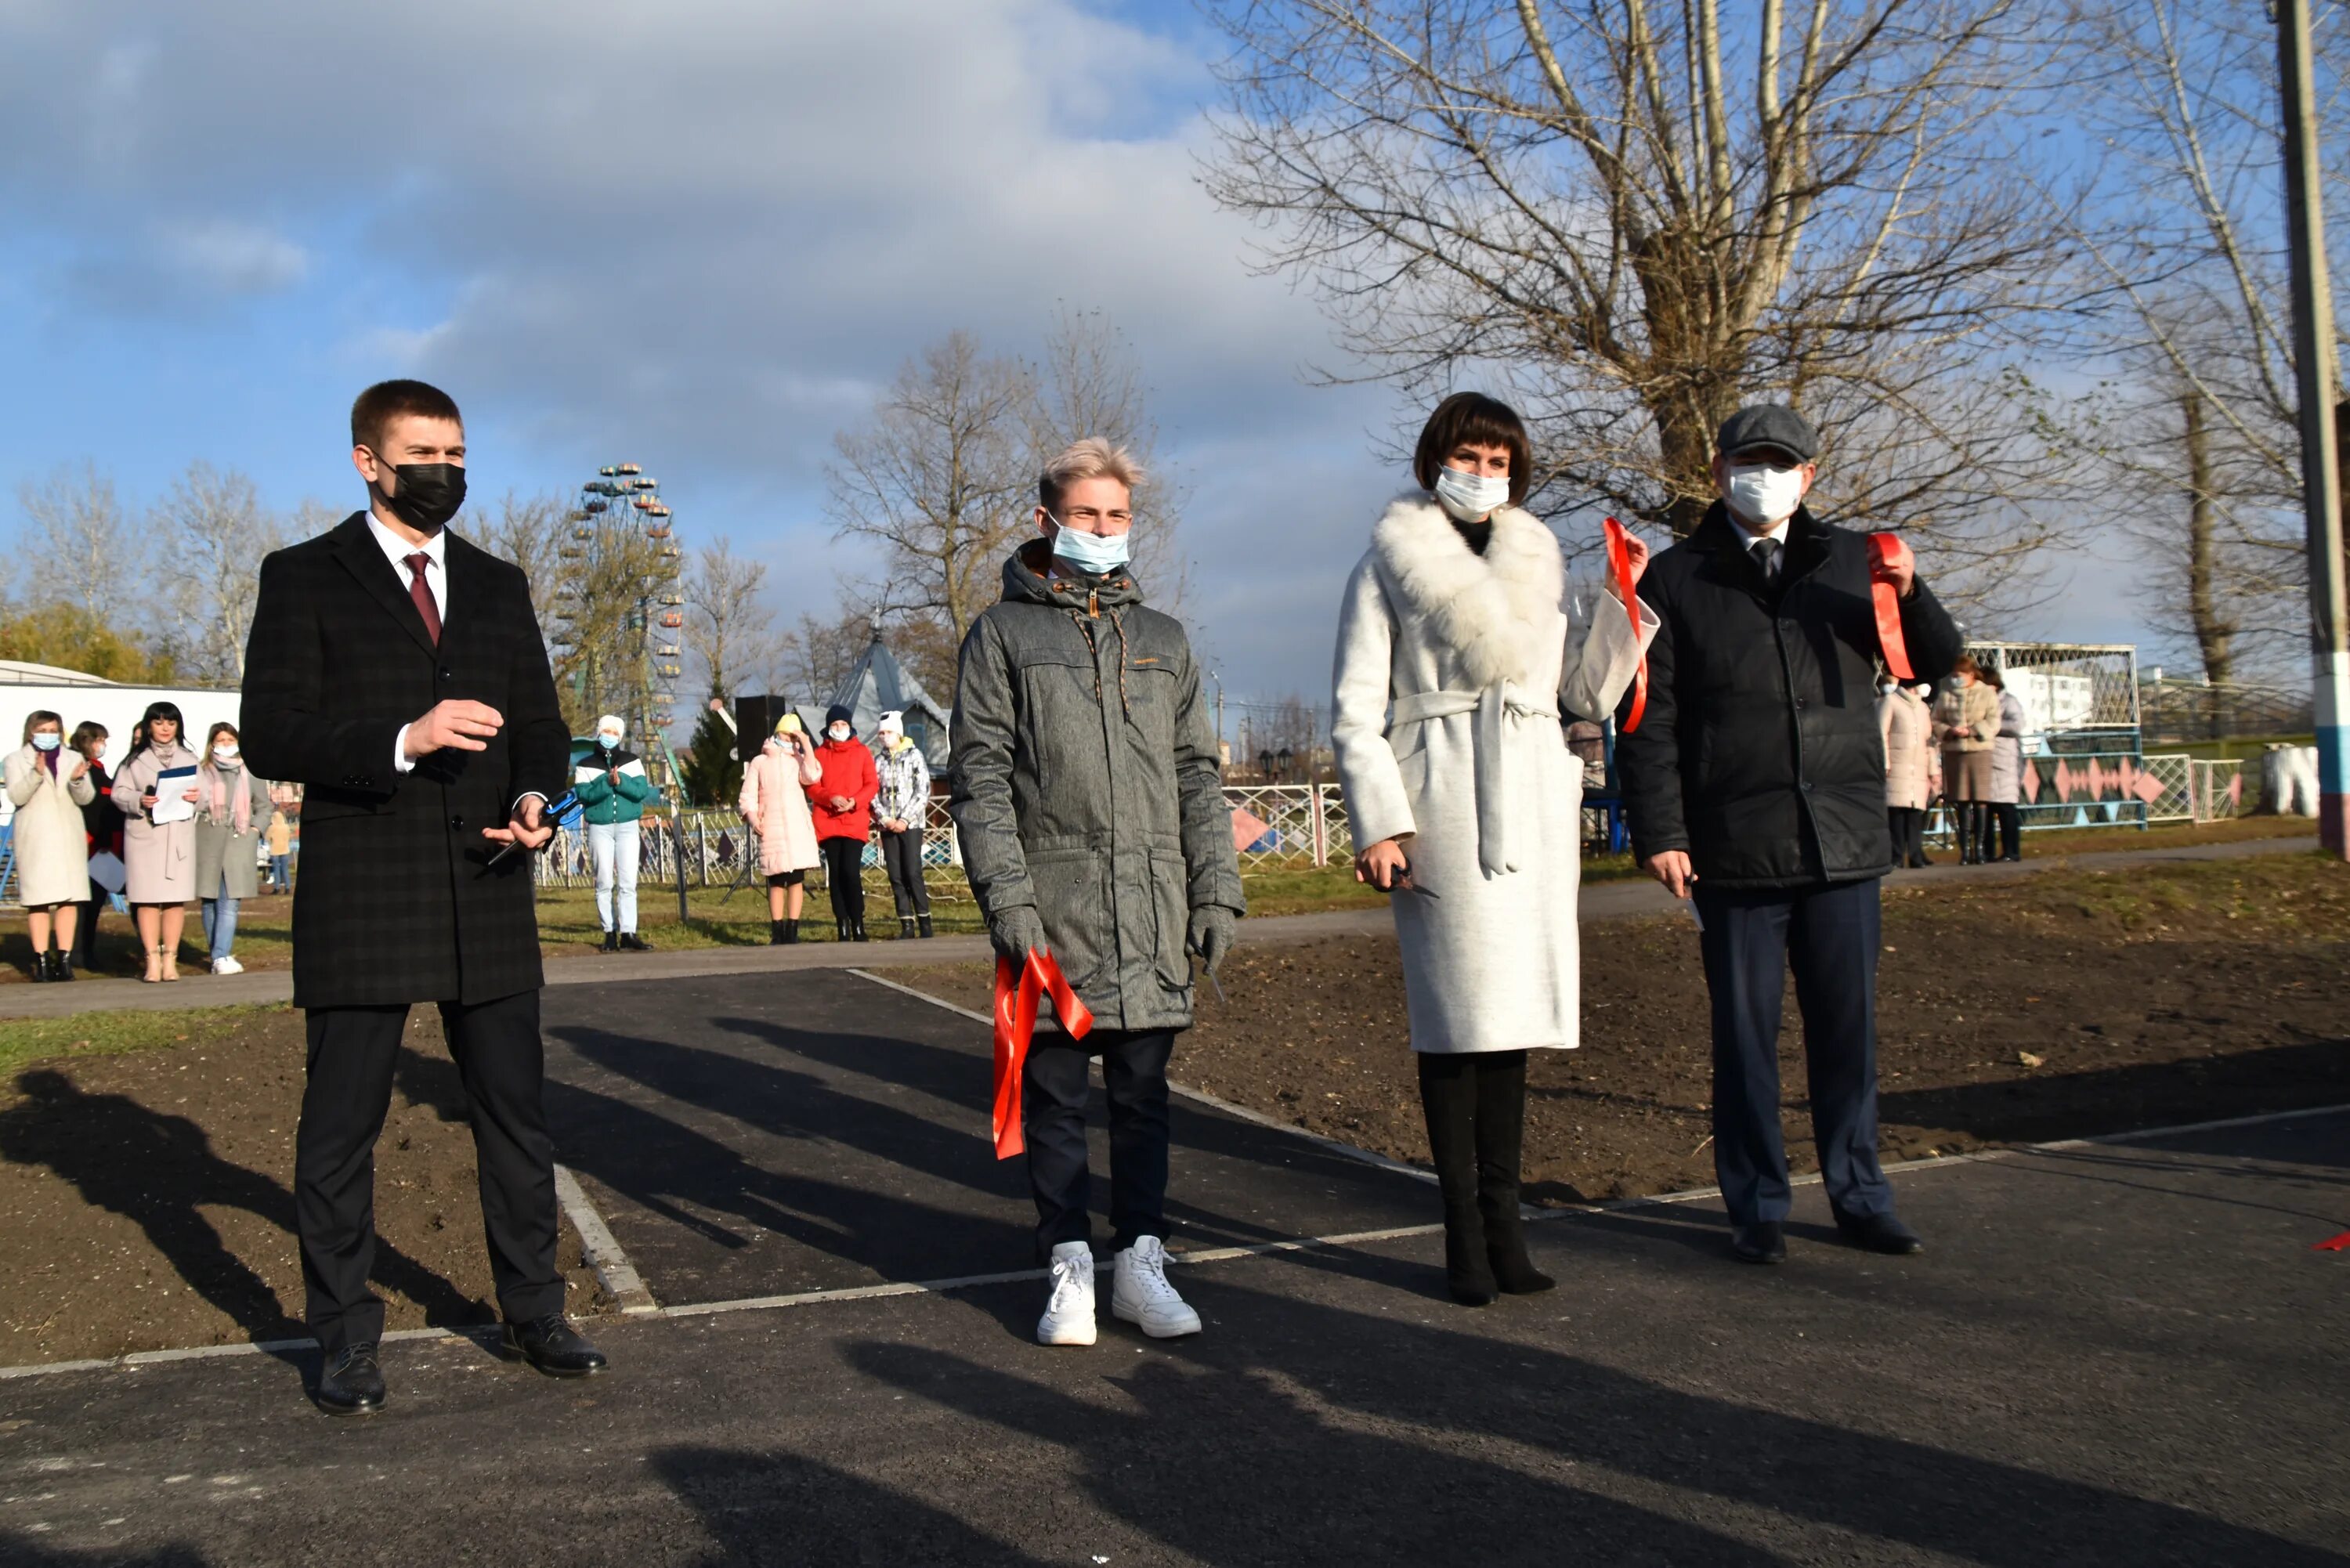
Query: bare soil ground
pixel 2072 1004
pixel 146 1197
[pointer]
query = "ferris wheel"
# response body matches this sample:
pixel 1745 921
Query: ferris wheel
pixel 620 605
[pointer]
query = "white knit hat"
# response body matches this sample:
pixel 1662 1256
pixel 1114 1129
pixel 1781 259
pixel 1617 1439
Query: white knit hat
pixel 893 722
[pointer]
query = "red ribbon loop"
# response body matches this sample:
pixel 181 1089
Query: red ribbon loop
pixel 1619 565
pixel 1886 551
pixel 1016 1022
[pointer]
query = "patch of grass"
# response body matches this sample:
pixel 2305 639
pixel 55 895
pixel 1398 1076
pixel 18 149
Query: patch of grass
pixel 27 1040
pixel 2268 898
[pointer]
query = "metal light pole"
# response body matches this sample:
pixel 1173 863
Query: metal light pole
pixel 2313 331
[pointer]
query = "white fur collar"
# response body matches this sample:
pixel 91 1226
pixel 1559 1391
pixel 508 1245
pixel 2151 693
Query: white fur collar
pixel 1489 609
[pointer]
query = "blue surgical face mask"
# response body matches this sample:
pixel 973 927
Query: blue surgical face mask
pixel 608 741
pixel 1091 553
pixel 48 739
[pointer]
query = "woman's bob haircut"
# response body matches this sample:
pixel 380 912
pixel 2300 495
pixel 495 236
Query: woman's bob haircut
pixel 1473 419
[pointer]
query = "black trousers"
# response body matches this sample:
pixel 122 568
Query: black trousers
pixel 901 856
pixel 1908 825
pixel 844 872
pixel 1054 1096
pixel 1828 934
pixel 353 1052
pixel 2007 821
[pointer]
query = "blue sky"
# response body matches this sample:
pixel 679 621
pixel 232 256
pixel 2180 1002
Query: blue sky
pixel 697 236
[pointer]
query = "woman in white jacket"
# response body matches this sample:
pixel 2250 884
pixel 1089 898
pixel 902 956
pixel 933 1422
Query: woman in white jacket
pixel 48 785
pixel 1456 671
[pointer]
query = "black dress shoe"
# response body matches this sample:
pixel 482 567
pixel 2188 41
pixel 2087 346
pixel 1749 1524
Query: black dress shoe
pixel 351 1383
pixel 611 942
pixel 1763 1244
pixel 634 943
pixel 1879 1233
pixel 554 1347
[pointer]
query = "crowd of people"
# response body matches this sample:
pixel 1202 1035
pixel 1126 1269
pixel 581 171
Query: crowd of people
pixel 165 826
pixel 1964 747
pixel 819 803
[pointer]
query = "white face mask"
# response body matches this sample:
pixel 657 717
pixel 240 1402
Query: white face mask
pixel 1472 497
pixel 838 731
pixel 1090 552
pixel 224 752
pixel 1765 497
pixel 47 741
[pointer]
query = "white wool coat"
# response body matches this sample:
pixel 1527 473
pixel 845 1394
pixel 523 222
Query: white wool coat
pixel 52 849
pixel 1452 673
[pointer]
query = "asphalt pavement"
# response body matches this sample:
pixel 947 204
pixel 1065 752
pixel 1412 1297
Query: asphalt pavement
pixel 2111 1353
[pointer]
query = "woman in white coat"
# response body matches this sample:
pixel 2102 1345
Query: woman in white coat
pixel 1456 672
pixel 48 785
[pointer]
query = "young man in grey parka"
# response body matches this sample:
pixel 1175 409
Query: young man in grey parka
pixel 1091 808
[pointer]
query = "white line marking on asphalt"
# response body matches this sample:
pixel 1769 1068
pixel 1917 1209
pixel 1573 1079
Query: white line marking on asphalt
pixel 479 1333
pixel 612 1267
pixel 1240 1112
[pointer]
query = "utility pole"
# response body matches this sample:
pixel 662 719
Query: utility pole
pixel 2313 332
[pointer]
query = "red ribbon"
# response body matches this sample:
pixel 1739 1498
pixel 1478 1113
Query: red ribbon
pixel 1015 1021
pixel 2334 1244
pixel 1619 565
pixel 1886 551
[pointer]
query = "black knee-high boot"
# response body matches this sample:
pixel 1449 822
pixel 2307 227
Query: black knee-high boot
pixel 1962 822
pixel 1448 1097
pixel 1501 1143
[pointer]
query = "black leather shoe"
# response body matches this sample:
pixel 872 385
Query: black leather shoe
pixel 554 1347
pixel 40 970
pixel 61 966
pixel 351 1383
pixel 634 943
pixel 611 942
pixel 1879 1233
pixel 1763 1244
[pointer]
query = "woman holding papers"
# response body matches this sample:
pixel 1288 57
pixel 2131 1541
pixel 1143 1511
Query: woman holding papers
pixel 48 785
pixel 157 792
pixel 1455 666
pixel 233 808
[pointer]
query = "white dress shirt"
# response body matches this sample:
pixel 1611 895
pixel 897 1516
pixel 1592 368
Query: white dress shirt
pixel 436 581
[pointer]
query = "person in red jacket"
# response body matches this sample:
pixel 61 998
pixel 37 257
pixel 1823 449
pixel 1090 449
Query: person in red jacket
pixel 841 801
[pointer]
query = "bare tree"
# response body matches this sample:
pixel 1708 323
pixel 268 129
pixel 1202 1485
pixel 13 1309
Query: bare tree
pixel 2197 432
pixel 940 478
pixel 81 540
pixel 1091 384
pixel 531 532
pixel 1598 211
pixel 213 531
pixel 815 657
pixel 729 630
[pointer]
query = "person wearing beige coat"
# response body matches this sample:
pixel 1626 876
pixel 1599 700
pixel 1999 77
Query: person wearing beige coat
pixel 774 803
pixel 159 859
pixel 1907 726
pixel 1966 723
pixel 52 847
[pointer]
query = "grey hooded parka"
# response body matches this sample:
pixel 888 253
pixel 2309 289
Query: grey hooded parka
pixel 1086 785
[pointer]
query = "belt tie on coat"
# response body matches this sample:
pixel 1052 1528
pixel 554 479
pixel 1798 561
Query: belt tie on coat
pixel 1502 700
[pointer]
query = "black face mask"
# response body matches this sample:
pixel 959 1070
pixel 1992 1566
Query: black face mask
pixel 430 493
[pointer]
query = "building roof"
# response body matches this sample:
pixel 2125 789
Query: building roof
pixel 23 672
pixel 878 684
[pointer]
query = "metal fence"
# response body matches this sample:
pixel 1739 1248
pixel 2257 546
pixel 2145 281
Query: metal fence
pixel 2176 710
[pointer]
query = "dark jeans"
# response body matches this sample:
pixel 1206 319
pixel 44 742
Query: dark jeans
pixel 844 871
pixel 901 856
pixel 1828 934
pixel 1053 1097
pixel 353 1053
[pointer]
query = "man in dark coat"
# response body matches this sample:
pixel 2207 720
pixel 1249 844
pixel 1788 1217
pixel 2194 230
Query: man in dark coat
pixel 397 673
pixel 1092 817
pixel 1755 786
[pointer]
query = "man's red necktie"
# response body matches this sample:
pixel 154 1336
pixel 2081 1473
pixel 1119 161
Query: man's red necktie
pixel 422 592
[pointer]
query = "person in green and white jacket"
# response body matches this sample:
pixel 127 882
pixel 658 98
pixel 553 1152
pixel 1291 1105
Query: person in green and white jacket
pixel 612 790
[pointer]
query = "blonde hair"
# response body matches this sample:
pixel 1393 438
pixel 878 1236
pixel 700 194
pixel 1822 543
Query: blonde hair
pixel 1092 458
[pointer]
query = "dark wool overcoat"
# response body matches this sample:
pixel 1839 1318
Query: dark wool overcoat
pixel 1760 754
pixel 1087 784
pixel 396 901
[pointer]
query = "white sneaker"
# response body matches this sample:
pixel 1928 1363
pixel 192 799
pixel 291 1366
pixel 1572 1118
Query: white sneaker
pixel 1140 1292
pixel 1069 1312
pixel 227 966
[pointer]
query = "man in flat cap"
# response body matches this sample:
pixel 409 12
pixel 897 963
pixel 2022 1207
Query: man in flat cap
pixel 1755 786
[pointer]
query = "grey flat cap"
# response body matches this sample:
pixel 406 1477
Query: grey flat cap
pixel 1768 424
